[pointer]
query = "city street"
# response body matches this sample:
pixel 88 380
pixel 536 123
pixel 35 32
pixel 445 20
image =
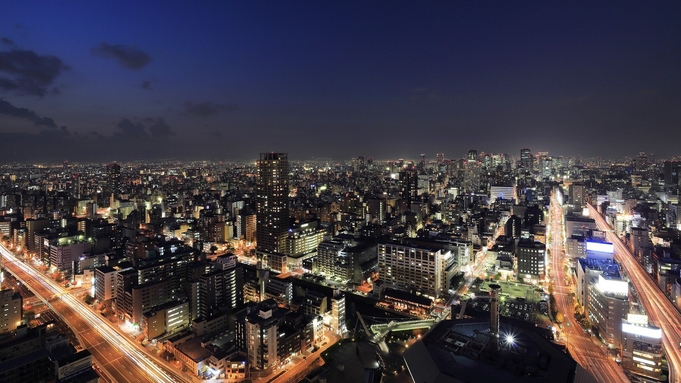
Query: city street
pixel 592 357
pixel 659 309
pixel 116 355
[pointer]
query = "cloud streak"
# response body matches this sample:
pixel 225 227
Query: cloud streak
pixel 129 56
pixel 8 109
pixel 26 72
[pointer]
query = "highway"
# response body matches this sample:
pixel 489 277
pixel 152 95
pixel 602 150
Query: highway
pixel 584 351
pixel 121 359
pixel 659 309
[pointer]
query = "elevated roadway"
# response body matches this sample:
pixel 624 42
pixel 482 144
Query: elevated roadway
pixel 117 355
pixel 659 309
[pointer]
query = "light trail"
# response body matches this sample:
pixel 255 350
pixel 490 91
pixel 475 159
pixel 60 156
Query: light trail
pixel 137 356
pixel 660 310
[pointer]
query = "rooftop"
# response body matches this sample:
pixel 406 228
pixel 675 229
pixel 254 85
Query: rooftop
pixel 458 351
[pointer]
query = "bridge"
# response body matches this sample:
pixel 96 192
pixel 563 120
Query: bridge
pixel 376 332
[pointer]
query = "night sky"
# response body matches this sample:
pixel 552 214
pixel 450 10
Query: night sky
pixel 223 80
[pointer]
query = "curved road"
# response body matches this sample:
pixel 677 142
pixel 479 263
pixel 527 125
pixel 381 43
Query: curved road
pixel 118 360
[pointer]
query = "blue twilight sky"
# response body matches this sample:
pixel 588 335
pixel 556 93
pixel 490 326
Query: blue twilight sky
pixel 121 80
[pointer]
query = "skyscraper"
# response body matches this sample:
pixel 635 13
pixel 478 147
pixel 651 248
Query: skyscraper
pixel 114 178
pixel 409 179
pixel 526 159
pixel 472 155
pixel 272 202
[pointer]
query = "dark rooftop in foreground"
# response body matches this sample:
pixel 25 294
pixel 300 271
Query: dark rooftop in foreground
pixel 463 351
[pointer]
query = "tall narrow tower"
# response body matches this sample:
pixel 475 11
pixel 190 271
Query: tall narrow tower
pixel 114 178
pixel 272 202
pixel 494 314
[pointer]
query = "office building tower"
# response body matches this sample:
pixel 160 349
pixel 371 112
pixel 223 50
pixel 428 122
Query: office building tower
pixel 10 311
pixel 221 290
pixel 577 194
pixel 272 202
pixel 64 251
pixel 147 296
pixel 641 162
pixel 166 319
pixel 608 306
pixel 513 227
pixel 642 347
pixel 422 162
pixel 531 260
pixel 105 283
pixel 409 184
pixel 546 167
pixel 671 173
pixel 346 259
pixel 113 172
pixel 604 296
pixel 472 155
pixel 526 159
pixel 338 325
pixel 422 269
pixel 246 226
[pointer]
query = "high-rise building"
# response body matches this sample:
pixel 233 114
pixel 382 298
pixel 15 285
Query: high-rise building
pixel 531 259
pixel 422 269
pixel 577 194
pixel 114 178
pixel 546 167
pixel 338 313
pixel 10 310
pixel 604 296
pixel 526 159
pixel 671 173
pixel 641 347
pixel 608 306
pixel 221 290
pixel 409 184
pixel 105 283
pixel 272 202
pixel 472 155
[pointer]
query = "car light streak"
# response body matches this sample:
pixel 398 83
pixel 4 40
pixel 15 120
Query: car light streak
pixel 155 372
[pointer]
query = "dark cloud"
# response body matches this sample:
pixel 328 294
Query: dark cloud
pixel 157 129
pixel 205 109
pixel 8 109
pixel 128 56
pixel 217 134
pixel 160 130
pixel 7 41
pixel 29 73
pixel 97 135
pixel 128 129
pixel 146 85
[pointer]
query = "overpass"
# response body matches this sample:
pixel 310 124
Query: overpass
pixel 376 333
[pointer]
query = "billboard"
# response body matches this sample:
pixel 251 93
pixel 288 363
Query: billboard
pixel 615 286
pixel 649 332
pixel 601 247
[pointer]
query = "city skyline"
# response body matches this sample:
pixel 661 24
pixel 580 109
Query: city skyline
pixel 99 82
